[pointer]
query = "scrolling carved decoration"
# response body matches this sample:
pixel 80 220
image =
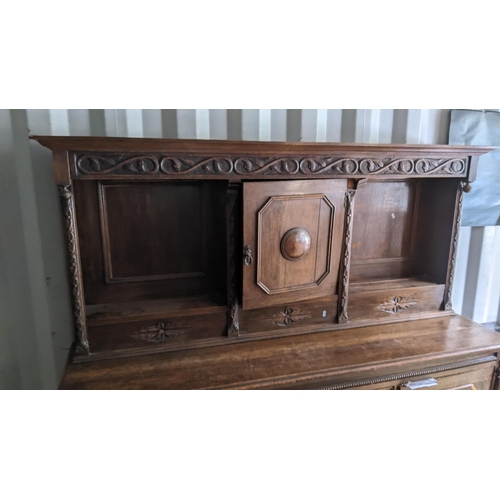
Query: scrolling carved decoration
pixel 78 303
pixel 159 165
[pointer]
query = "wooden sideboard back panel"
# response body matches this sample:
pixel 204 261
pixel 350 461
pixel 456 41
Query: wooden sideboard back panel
pixel 147 241
pixel 172 244
pixel 384 230
pixel 439 225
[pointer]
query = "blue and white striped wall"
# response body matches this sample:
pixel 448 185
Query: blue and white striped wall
pixel 35 319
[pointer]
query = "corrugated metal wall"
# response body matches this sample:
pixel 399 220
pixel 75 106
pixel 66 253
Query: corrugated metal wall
pixel 35 323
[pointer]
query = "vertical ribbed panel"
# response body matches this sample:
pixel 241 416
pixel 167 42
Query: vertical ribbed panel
pixel 36 317
pixel 218 123
pixel 278 124
pixel 151 123
pixel 476 293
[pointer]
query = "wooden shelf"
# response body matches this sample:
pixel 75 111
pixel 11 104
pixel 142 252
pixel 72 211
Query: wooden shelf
pixel 108 314
pixel 373 285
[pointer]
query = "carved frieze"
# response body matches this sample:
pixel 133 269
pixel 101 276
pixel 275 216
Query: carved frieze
pixel 158 165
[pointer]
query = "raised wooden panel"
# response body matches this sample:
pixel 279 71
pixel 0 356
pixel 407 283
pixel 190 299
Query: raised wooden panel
pixel 302 225
pixel 412 299
pixel 147 241
pixel 289 319
pixel 163 333
pixel 384 229
pixel 152 231
pixel 292 239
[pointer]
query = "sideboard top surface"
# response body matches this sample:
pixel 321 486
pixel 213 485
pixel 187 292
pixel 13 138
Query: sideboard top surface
pixel 218 147
pixel 285 362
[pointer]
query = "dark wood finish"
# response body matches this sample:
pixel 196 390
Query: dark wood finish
pixel 96 165
pixel 151 246
pixel 233 223
pixel 439 214
pixel 454 247
pixel 318 360
pixel 75 271
pixel 346 258
pixel 334 270
pixel 295 244
pixel 147 241
pixel 134 145
pixel 273 211
pixel 293 318
pixel 496 379
pixel 62 174
pixel 106 314
pixel 171 332
pixel 412 297
pixel 448 377
pixel 384 240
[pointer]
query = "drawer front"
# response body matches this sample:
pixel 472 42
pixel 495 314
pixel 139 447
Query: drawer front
pixel 477 377
pixel 477 374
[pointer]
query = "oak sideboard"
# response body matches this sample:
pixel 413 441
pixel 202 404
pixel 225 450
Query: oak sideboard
pixel 234 264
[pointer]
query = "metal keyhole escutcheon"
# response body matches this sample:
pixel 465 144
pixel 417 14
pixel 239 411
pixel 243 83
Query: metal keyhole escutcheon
pixel 247 255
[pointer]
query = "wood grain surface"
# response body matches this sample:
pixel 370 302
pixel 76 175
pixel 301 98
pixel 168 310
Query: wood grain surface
pixel 314 360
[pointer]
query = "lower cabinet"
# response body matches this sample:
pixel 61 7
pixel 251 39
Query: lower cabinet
pixel 477 374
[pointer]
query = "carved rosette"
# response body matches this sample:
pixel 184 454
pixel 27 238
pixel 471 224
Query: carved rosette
pixel 159 332
pixel 75 273
pixel 448 305
pixel 349 205
pixel 289 316
pixel 397 304
pixel 122 164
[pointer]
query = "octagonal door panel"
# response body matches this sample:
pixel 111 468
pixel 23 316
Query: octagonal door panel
pixel 292 234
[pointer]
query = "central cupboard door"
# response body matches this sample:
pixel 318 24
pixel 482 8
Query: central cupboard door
pixel 292 240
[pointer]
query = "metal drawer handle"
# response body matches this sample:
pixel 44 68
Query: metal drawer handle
pixel 420 384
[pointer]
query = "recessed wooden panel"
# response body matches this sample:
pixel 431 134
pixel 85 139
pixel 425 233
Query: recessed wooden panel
pixel 294 233
pixel 366 304
pixel 384 228
pixel 283 217
pixel 152 231
pixel 383 220
pixel 160 333
pixel 288 319
pixel 148 241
